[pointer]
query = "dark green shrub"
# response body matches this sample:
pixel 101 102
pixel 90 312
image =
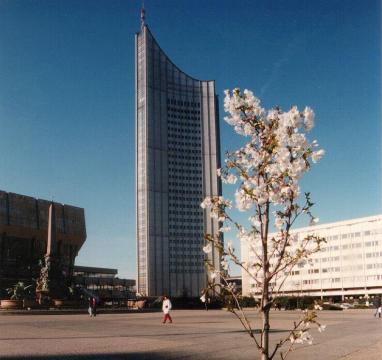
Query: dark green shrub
pixel 248 301
pixel 361 306
pixel 294 302
pixel 196 303
pixel 3 294
pixel 282 302
pixel 331 307
pixel 307 302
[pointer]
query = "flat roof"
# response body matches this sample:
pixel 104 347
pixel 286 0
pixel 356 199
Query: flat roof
pixel 97 270
pixel 330 225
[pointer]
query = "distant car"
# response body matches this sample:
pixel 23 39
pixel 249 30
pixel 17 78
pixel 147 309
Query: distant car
pixel 346 306
pixel 318 307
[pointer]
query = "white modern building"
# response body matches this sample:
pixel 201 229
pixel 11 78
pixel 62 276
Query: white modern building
pixel 350 263
pixel 177 154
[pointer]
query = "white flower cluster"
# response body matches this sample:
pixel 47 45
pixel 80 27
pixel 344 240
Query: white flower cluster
pixel 224 263
pixel 231 286
pixel 236 104
pixel 247 236
pixel 214 274
pixel 278 154
pixel 227 178
pixel 208 248
pixel 225 229
pixel 217 205
pixel 230 247
pixel 299 337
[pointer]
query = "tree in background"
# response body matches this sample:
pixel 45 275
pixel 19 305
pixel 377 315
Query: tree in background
pixel 268 169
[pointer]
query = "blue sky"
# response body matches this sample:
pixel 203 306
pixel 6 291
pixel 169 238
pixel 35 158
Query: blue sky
pixel 67 97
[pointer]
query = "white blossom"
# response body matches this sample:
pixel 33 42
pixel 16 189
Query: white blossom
pixel 208 248
pixel 206 203
pixel 300 337
pixel 213 274
pixel 279 222
pixel 293 238
pixel 230 246
pixel 307 337
pixel 225 229
pixel 255 221
pixel 224 264
pixel 243 201
pixel 231 286
pixel 317 155
pixel 230 179
pixel 308 118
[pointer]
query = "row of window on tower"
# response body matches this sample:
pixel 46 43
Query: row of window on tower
pixel 190 235
pixel 190 195
pixel 184 129
pixel 184 157
pixel 183 103
pixel 183 137
pixel 183 125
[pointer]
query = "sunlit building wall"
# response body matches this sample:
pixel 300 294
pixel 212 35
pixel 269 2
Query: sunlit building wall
pixel 349 264
pixel 177 154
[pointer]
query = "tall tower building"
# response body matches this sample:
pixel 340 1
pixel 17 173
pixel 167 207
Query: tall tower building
pixel 177 154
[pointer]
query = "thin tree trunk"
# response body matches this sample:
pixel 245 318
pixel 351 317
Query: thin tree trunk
pixel 265 325
pixel 265 298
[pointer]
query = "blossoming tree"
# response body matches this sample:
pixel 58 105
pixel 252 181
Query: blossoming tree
pixel 268 169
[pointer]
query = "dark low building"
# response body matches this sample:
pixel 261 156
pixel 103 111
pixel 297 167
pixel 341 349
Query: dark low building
pixel 23 236
pixel 103 283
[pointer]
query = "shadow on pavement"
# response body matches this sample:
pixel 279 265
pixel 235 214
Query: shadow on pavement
pixel 129 356
pixel 256 331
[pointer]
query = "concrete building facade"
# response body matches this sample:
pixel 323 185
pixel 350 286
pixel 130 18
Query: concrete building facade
pixel 177 154
pixel 350 263
pixel 24 232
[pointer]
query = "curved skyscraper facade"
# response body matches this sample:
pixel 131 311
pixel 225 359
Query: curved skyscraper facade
pixel 177 154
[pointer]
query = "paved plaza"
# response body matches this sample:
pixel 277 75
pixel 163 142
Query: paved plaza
pixel 214 334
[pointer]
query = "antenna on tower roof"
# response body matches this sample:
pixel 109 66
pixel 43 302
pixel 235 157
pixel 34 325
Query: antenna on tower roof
pixel 143 13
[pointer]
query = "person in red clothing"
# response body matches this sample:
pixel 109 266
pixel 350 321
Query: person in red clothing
pixel 93 306
pixel 166 307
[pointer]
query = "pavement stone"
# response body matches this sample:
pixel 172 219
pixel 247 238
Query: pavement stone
pixel 194 335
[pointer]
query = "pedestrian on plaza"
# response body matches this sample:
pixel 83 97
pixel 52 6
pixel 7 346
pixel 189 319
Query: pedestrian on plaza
pixel 166 307
pixel 207 303
pixel 92 306
pixel 378 306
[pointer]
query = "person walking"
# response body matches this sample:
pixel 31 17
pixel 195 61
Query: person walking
pixel 166 307
pixel 90 311
pixel 93 306
pixel 207 303
pixel 378 306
